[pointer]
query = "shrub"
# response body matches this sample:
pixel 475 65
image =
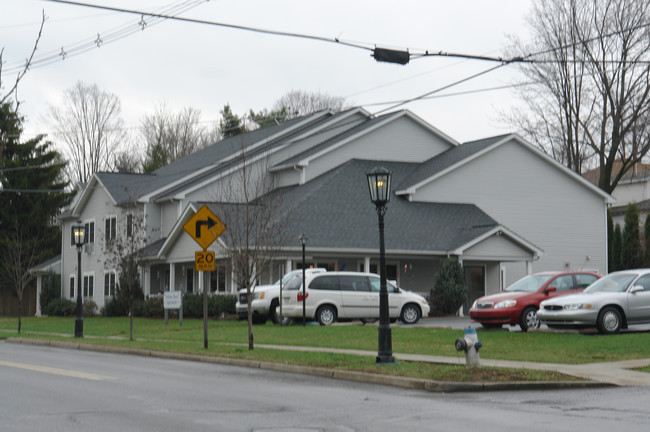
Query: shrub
pixel 50 290
pixel 141 308
pixel 449 291
pixel 156 306
pixel 89 308
pixel 217 305
pixel 60 307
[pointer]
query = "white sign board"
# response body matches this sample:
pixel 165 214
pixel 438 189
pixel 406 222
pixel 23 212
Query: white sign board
pixel 172 300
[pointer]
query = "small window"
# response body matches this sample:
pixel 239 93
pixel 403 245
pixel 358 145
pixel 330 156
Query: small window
pixel 110 229
pixel 90 232
pixel 325 283
pixel 375 285
pixel 354 283
pixel 129 225
pixel 584 280
pixel 71 286
pixel 562 283
pixel 89 282
pixel 109 284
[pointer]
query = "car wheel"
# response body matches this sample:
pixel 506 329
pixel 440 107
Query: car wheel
pixel 273 312
pixel 410 314
pixel 528 319
pixel 609 320
pixel 326 315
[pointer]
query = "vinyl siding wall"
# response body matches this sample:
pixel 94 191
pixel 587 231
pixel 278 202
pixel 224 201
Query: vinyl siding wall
pixel 535 199
pixel 402 140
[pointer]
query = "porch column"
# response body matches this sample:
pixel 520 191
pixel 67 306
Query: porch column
pixel 366 264
pixel 172 277
pixel 287 266
pixel 529 267
pixel 39 284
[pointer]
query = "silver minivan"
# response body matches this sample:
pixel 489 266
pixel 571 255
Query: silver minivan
pixel 349 295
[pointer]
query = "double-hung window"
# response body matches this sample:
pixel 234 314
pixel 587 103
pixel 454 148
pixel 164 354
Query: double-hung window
pixel 110 229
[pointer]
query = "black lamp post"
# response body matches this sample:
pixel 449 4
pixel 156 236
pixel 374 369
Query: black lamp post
pixel 79 235
pixel 379 185
pixel 303 242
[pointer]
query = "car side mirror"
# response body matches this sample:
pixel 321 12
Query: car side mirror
pixel 551 289
pixel 637 288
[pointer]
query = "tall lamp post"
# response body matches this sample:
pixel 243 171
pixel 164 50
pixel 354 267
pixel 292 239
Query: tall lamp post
pixel 303 242
pixel 379 185
pixel 79 235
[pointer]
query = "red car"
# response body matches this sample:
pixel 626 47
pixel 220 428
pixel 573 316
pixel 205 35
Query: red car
pixel 518 304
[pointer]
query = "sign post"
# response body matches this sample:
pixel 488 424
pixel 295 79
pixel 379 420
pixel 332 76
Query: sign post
pixel 204 227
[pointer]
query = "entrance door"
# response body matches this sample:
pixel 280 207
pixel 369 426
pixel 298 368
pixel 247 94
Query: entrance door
pixel 475 281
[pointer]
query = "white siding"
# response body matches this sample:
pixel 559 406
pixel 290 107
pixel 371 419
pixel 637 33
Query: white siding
pixel 536 200
pixel 402 140
pixel 168 216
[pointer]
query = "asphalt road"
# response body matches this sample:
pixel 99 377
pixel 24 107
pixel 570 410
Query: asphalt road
pixel 53 389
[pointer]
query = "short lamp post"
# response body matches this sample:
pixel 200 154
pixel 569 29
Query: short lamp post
pixel 379 185
pixel 303 242
pixel 79 235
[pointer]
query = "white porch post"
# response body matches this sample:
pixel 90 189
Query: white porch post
pixel 529 267
pixel 366 264
pixel 287 266
pixel 172 277
pixel 39 284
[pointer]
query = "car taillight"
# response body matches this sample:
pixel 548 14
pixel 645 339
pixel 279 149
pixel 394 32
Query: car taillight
pixel 300 296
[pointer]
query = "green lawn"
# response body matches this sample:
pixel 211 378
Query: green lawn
pixel 229 339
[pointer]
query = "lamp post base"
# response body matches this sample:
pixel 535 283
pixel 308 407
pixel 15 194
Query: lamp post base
pixel 79 327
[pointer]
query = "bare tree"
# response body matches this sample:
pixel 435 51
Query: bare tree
pixel 4 98
pixel 91 129
pixel 297 103
pixel 124 249
pixel 592 98
pixel 249 204
pixel 175 135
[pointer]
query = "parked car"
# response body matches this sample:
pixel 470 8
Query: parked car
pixel 349 295
pixel 610 304
pixel 518 303
pixel 266 298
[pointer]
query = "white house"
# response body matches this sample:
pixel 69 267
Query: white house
pixel 500 205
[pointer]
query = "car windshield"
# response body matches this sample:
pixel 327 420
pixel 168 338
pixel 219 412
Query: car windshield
pixel 529 283
pixel 287 278
pixel 612 283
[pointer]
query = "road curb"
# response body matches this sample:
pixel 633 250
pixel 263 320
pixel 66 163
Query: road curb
pixel 338 374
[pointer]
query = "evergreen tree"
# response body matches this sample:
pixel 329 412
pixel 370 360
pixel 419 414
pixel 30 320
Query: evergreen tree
pixel 632 254
pixel 32 194
pixel 449 291
pixel 617 244
pixel 646 249
pixel 230 123
pixel 610 236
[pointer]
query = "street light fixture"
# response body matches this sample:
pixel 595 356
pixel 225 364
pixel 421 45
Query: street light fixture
pixel 79 236
pixel 379 185
pixel 303 242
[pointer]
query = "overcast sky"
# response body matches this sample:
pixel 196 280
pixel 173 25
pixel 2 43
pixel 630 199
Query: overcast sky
pixel 204 66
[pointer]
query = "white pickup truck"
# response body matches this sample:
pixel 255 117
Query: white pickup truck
pixel 266 298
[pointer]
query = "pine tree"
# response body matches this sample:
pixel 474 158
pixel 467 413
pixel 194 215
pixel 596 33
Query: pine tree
pixel 646 249
pixel 230 123
pixel 31 195
pixel 632 254
pixel 617 244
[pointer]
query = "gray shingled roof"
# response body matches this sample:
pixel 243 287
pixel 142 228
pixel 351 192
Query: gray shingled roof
pixel 445 160
pixel 370 122
pixel 335 212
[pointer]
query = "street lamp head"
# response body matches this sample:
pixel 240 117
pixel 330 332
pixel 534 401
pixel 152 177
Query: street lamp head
pixel 379 185
pixel 79 234
pixel 303 239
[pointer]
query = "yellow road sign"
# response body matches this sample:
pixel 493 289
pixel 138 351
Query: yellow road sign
pixel 204 227
pixel 204 261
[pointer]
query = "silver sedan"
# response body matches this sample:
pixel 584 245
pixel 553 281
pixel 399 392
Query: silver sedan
pixel 609 304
